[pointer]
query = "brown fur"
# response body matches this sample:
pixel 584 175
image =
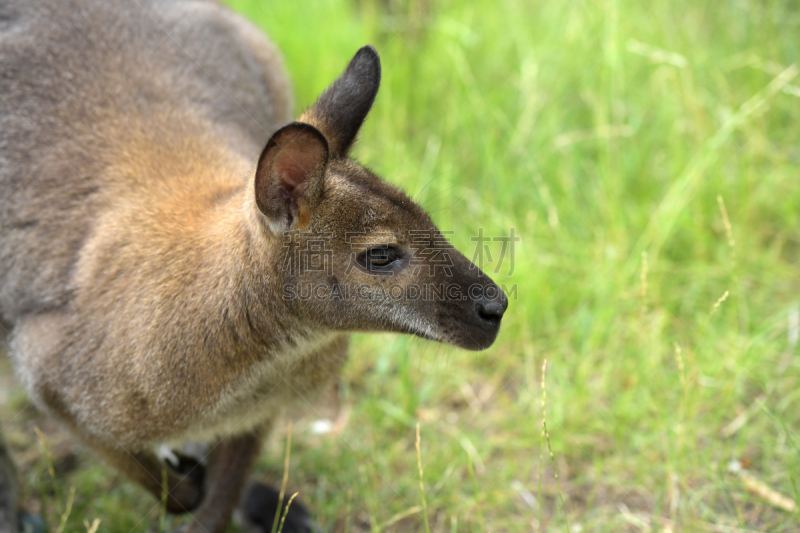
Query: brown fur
pixel 142 251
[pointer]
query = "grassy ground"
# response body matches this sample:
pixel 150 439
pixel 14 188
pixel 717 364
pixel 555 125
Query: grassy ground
pixel 647 154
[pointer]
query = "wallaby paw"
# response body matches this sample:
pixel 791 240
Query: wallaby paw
pixel 189 490
pixel 258 506
pixel 189 467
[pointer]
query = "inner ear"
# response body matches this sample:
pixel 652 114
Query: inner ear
pixel 290 175
pixel 295 164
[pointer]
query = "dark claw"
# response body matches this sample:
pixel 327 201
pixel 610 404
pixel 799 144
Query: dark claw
pixel 189 467
pixel 258 506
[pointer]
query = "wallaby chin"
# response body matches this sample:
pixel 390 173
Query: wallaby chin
pixel 476 344
pixel 185 260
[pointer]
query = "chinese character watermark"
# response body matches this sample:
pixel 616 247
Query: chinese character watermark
pixel 483 250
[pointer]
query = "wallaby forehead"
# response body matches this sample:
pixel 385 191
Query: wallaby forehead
pixel 365 201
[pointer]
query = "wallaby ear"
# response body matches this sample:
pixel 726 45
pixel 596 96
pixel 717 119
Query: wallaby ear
pixel 291 175
pixel 342 108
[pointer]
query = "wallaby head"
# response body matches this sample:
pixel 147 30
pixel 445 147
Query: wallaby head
pixel 353 253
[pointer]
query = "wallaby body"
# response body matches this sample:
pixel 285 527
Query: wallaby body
pixel 143 224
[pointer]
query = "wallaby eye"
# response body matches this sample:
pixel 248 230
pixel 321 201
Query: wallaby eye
pixel 379 258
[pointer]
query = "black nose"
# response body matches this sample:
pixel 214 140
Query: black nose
pixel 491 306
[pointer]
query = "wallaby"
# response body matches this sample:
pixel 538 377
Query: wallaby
pixel 159 219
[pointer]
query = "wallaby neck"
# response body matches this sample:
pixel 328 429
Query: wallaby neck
pixel 241 267
pixel 182 236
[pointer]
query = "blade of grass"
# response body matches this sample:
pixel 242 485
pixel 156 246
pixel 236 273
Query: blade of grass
pixel 422 485
pixel 285 480
pixel 288 504
pixel 471 468
pixel 549 448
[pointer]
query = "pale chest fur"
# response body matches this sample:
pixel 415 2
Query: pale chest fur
pixel 262 393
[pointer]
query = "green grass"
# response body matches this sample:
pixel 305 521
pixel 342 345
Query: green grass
pixel 603 132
